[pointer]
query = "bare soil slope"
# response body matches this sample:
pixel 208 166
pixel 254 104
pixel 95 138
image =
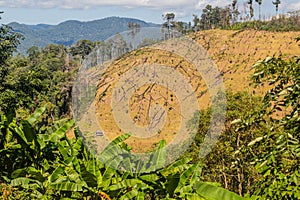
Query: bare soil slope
pixel 234 53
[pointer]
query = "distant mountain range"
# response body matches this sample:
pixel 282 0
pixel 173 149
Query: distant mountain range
pixel 69 32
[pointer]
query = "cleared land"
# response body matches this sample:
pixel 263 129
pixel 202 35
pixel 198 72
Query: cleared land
pixel 233 52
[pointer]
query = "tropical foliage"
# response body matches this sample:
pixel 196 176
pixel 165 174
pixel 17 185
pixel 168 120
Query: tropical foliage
pixel 43 163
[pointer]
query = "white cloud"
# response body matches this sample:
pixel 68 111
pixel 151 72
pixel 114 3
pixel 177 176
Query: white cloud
pixel 221 3
pixel 294 6
pixel 84 4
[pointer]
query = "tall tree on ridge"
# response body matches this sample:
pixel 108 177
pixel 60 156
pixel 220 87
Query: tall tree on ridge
pixel 235 11
pixel 250 2
pixel 9 41
pixel 134 28
pixel 259 7
pixel 196 21
pixel 169 17
pixel 276 3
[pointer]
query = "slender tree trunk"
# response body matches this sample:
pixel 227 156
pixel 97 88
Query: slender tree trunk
pixel 248 185
pixel 259 7
pixel 224 174
pixel 239 171
pixel 277 16
pixel 240 177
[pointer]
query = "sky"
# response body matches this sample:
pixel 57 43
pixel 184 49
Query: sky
pixel 57 11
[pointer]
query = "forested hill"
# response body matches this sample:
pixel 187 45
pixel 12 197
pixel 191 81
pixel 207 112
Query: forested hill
pixel 69 32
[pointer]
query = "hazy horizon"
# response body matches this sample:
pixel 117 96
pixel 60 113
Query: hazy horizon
pixel 53 12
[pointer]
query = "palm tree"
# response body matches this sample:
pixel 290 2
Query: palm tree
pixel 276 3
pixel 251 8
pixel 259 4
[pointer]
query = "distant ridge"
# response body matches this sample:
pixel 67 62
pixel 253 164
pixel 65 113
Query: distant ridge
pixel 69 32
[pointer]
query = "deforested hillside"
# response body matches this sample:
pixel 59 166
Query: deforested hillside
pixel 234 54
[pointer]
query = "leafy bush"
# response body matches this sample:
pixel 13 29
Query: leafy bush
pixel 279 163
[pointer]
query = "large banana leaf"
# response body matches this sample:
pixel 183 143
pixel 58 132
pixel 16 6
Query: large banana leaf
pixel 177 167
pixel 19 134
pixel 152 178
pixel 140 196
pixel 56 173
pixel 194 197
pixel 29 131
pixel 113 155
pixel 91 174
pixel 107 176
pixel 24 182
pixel 211 192
pixel 158 158
pixel 89 178
pixel 56 126
pixel 61 132
pixel 19 173
pixel 125 184
pixel 36 115
pixel 67 186
pixel 127 166
pixel 130 195
pixel 94 168
pixel 189 176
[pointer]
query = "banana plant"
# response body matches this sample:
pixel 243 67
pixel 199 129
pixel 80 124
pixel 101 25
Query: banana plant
pixel 53 166
pixel 180 180
pixel 35 154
